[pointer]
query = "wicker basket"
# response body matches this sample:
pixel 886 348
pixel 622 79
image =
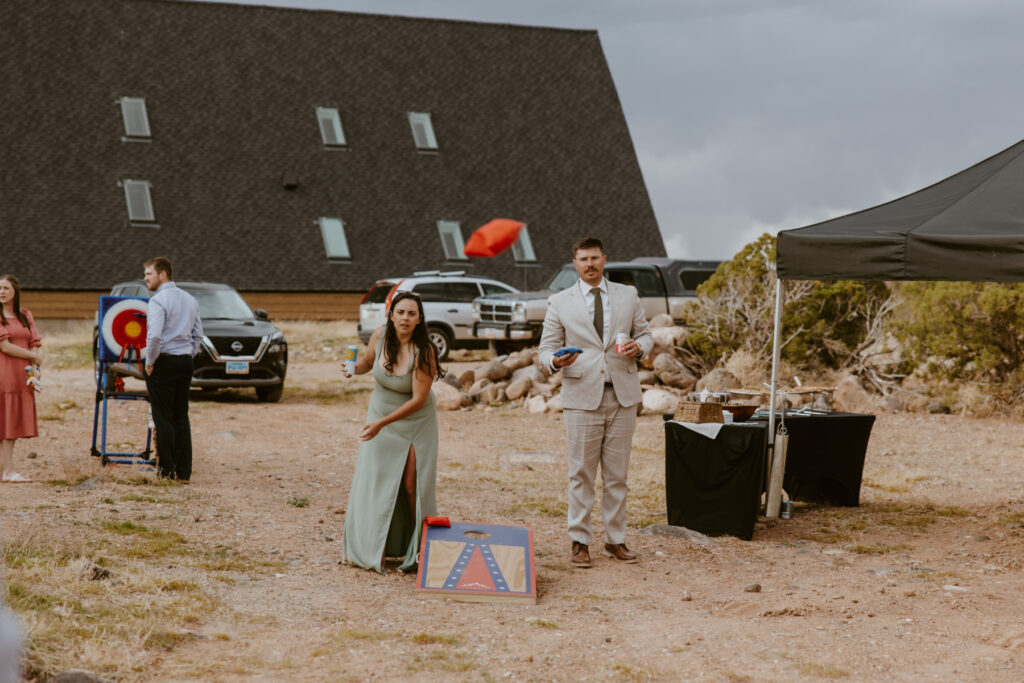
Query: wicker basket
pixel 699 412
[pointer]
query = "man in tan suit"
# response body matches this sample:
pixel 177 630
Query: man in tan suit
pixel 600 393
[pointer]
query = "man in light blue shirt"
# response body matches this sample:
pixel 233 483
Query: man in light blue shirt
pixel 173 332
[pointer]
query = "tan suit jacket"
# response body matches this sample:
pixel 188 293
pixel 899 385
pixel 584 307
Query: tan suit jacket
pixel 568 323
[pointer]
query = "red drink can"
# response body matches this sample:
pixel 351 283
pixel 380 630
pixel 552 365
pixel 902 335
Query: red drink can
pixel 620 340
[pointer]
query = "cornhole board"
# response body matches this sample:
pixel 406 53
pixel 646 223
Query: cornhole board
pixel 478 563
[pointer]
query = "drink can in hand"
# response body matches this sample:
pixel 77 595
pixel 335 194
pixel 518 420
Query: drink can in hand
pixel 351 353
pixel 620 340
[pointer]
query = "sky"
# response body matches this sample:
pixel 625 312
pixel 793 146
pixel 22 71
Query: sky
pixel 754 116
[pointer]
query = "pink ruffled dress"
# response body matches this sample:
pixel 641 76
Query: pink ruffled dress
pixel 17 398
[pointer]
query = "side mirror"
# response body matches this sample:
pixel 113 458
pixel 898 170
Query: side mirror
pixel 261 314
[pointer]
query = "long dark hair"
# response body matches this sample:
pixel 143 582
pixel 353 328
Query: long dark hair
pixel 428 361
pixel 18 313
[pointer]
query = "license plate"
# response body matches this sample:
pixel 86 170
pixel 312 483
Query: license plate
pixel 237 367
pixel 489 332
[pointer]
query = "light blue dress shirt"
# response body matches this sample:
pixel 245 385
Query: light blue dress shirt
pixel 173 326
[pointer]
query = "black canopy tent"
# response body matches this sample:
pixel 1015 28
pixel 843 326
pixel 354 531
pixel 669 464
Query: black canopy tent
pixel 969 226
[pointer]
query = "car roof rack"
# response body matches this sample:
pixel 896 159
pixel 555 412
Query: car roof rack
pixel 449 273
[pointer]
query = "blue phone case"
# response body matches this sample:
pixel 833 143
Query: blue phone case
pixel 567 350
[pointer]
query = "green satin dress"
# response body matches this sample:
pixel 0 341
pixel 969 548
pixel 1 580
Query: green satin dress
pixel 377 519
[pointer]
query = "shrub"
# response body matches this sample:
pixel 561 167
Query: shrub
pixel 825 324
pixel 965 331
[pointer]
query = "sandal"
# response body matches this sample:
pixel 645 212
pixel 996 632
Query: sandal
pixel 15 478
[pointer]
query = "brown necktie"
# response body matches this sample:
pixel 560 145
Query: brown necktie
pixel 598 313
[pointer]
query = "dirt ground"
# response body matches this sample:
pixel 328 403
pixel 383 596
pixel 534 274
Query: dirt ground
pixel 236 577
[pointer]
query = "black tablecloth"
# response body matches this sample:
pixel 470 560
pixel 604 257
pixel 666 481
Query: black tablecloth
pixel 714 486
pixel 825 456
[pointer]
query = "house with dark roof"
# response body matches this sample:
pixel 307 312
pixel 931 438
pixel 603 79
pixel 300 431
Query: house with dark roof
pixel 300 155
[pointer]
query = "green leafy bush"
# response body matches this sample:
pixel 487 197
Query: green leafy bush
pixel 968 331
pixel 825 324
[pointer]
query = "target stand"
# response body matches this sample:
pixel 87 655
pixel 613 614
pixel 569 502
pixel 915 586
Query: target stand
pixel 122 339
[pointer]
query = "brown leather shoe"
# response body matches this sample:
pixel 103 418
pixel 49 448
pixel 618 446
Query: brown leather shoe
pixel 580 555
pixel 619 551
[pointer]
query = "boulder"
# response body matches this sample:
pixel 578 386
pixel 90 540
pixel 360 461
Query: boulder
pixel 647 377
pixel 492 393
pixel 518 388
pixel 555 380
pixel 479 385
pixel 537 404
pixel 718 380
pixel 890 404
pixel 531 372
pixel 494 371
pixel 659 402
pixel 679 333
pixel 661 320
pixel 850 395
pixel 672 372
pixel 555 403
pixel 467 378
pixel 451 380
pixel 447 396
pixel 519 359
pixel 664 340
pixel 542 389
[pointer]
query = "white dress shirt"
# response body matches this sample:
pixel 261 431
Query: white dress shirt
pixel 172 323
pixel 605 305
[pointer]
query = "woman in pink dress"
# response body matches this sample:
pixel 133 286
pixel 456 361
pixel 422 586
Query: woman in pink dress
pixel 19 340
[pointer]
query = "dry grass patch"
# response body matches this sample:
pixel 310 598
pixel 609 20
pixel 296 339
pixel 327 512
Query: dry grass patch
pixel 318 340
pixel 434 639
pixel 546 507
pixel 822 670
pixel 1016 517
pixel 918 516
pixel 115 626
pixel 877 549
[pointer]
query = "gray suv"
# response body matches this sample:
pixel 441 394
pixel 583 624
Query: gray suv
pixel 447 303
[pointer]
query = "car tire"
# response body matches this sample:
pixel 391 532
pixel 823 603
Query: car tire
pixel 442 339
pixel 270 394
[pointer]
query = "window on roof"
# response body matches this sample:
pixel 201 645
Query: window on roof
pixel 333 231
pixel 140 204
pixel 522 248
pixel 422 130
pixel 330 126
pixel 136 121
pixel 451 240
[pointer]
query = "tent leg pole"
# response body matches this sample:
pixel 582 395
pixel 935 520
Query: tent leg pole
pixel 774 498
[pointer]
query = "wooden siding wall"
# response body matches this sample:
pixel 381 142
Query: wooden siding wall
pixel 307 305
pixel 279 305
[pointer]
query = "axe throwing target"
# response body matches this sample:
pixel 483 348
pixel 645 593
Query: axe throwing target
pixel 122 324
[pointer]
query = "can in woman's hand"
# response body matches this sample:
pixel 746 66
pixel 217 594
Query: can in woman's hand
pixel 351 353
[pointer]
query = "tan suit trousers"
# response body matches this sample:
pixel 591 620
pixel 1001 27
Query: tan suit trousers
pixel 601 437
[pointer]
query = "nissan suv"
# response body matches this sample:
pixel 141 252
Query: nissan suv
pixel 240 347
pixel 447 304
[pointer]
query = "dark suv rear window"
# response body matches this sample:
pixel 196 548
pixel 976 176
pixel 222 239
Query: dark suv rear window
pixel 692 279
pixel 379 293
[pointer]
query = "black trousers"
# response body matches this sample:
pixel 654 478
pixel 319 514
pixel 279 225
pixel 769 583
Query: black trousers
pixel 168 395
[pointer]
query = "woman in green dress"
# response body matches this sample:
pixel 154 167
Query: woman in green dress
pixel 396 469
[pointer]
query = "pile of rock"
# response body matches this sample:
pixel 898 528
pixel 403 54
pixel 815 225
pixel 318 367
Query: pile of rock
pixel 520 378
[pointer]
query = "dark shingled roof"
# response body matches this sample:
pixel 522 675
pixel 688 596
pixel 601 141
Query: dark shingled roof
pixel 528 122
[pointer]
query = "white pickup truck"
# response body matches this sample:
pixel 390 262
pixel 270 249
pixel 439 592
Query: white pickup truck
pixel 664 286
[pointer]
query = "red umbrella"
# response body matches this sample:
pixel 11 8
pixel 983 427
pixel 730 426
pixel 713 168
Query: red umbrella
pixel 493 237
